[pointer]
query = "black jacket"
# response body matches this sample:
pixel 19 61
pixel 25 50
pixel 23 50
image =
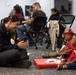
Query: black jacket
pixel 54 17
pixel 5 39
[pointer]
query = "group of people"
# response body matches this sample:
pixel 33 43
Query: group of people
pixel 67 52
pixel 36 12
pixel 15 54
pixel 55 29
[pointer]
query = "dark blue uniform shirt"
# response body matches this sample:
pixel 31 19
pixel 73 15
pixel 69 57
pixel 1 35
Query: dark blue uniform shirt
pixel 5 37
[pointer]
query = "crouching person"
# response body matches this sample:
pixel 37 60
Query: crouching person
pixel 71 61
pixel 12 54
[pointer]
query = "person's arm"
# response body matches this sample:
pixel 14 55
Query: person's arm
pixel 8 47
pixel 29 22
pixel 70 50
pixel 73 61
pixel 4 46
pixel 62 49
pixel 64 52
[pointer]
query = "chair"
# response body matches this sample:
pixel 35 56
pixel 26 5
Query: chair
pixel 37 27
pixel 53 32
pixel 28 36
pixel 63 21
pixel 67 19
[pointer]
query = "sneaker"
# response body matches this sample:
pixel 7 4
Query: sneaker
pixel 23 64
pixel 59 67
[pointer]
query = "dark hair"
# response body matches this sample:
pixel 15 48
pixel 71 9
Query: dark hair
pixel 36 3
pixel 54 9
pixel 12 17
pixel 17 9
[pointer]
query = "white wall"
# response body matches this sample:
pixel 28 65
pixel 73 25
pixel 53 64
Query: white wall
pixel 74 13
pixel 7 5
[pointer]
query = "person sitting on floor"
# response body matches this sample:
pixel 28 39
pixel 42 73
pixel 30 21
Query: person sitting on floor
pixel 12 54
pixel 66 50
pixel 71 61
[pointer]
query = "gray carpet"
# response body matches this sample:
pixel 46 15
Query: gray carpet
pixel 33 70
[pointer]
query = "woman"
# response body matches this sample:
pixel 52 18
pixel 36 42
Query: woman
pixel 55 14
pixel 12 54
pixel 21 29
pixel 17 11
pixel 55 17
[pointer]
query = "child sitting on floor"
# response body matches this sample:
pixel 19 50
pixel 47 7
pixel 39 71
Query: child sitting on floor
pixel 66 51
pixel 71 61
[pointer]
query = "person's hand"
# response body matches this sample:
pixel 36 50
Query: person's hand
pixel 23 45
pixel 24 22
pixel 66 62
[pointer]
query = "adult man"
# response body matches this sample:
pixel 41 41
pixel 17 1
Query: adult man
pixel 37 12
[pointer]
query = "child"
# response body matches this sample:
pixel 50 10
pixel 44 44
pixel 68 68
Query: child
pixel 71 62
pixel 65 51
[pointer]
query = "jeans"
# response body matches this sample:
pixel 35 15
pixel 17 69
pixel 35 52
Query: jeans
pixel 20 30
pixel 71 65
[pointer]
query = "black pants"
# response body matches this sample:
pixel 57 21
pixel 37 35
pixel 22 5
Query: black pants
pixel 60 38
pixel 11 56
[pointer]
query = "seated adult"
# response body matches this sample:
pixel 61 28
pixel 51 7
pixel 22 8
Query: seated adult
pixel 37 13
pixel 12 54
pixel 17 11
pixel 56 16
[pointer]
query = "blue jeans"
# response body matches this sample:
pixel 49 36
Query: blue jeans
pixel 20 31
pixel 71 65
pixel 65 56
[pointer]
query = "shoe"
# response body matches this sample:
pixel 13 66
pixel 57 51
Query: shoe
pixel 23 64
pixel 24 57
pixel 59 67
pixel 45 55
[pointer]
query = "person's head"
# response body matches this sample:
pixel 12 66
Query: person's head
pixel 54 11
pixel 74 40
pixel 36 6
pixel 17 9
pixel 62 7
pixel 12 22
pixel 68 34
